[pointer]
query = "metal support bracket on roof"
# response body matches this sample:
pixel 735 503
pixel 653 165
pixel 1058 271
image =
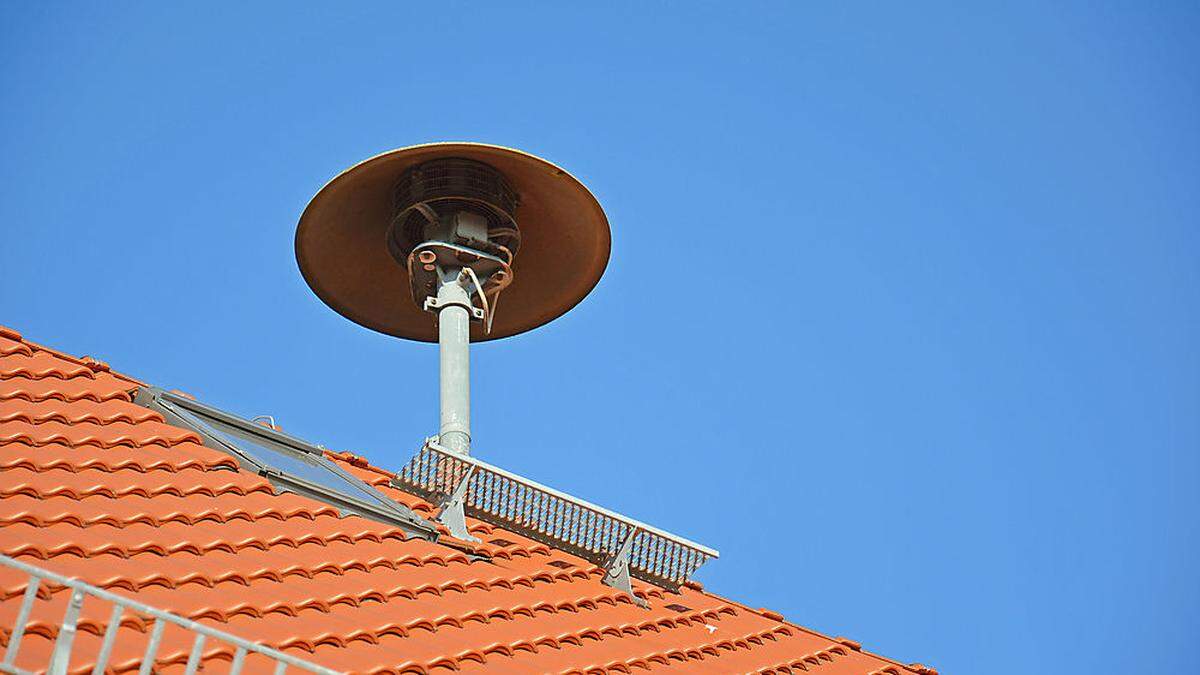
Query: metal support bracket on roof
pixel 616 569
pixel 451 512
pixel 624 547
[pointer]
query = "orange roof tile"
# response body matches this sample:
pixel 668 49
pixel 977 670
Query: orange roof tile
pixel 100 489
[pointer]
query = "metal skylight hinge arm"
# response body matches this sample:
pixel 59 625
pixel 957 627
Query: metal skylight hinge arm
pixel 616 569
pixel 451 513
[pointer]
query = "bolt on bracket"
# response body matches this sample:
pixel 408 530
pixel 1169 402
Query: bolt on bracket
pixel 433 304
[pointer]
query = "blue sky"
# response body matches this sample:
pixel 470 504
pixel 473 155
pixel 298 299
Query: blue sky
pixel 901 314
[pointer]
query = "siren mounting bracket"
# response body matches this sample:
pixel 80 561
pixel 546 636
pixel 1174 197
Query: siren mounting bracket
pixel 434 304
pixel 454 229
pixel 430 262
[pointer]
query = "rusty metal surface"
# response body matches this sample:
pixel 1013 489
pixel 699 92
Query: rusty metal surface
pixel 341 243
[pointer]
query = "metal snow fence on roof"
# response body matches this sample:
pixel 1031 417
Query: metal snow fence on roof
pixel 60 658
pixel 544 514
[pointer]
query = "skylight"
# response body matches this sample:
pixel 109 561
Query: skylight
pixel 288 462
pixel 270 453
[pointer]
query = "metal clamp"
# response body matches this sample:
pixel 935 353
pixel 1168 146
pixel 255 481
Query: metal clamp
pixel 429 261
pixel 433 304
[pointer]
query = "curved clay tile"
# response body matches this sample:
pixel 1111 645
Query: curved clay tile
pixel 40 365
pixel 99 488
pixel 29 389
pixel 8 346
pixel 53 410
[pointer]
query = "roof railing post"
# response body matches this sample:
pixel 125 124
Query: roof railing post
pixel 18 632
pixel 152 647
pixel 110 638
pixel 239 660
pixel 193 662
pixel 66 635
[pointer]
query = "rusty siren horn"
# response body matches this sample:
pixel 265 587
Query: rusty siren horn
pixel 346 253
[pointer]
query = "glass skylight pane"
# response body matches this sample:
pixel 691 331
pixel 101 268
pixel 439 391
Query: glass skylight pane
pixel 293 462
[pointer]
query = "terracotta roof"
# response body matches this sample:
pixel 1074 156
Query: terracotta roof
pixel 98 488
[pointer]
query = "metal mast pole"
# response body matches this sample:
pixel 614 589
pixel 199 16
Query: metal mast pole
pixel 454 340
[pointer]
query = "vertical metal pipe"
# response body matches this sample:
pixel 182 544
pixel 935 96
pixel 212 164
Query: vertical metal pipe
pixel 454 340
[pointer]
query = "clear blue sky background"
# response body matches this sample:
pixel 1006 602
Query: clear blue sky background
pixel 901 314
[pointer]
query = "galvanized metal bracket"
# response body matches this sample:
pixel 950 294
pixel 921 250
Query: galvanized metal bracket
pixel 616 569
pixel 66 635
pixel 451 512
pixel 515 503
pixel 433 304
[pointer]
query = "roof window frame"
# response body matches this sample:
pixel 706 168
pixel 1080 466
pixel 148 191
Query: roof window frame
pixel 206 421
